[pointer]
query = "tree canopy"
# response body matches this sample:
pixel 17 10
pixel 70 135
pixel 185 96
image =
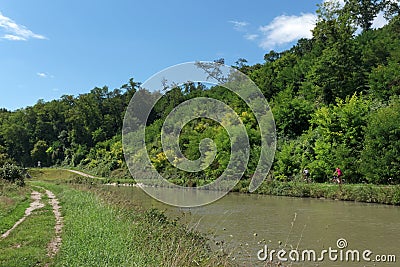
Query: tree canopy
pixel 334 98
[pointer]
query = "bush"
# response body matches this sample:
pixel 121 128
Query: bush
pixel 380 157
pixel 12 173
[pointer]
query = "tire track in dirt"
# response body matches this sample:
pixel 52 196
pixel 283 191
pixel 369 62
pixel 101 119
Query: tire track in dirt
pixel 35 204
pixel 54 246
pixel 83 174
pixel 100 178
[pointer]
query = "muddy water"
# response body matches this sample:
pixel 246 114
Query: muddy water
pixel 247 224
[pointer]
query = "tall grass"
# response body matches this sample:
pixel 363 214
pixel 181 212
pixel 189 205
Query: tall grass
pixel 104 229
pixel 101 228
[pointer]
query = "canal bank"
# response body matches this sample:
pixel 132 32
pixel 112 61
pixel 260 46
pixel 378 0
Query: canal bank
pixel 369 193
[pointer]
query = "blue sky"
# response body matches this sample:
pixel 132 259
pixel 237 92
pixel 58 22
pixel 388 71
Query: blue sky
pixel 51 48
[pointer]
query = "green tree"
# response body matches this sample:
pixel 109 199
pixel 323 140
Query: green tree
pixel 340 131
pixel 337 72
pixel 16 138
pixel 265 78
pixel 380 158
pixel 385 81
pixel 363 12
pixel 291 114
pixel 4 157
pixel 39 153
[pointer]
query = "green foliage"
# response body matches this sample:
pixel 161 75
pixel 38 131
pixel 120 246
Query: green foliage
pixel 4 157
pixel 363 12
pixel 293 156
pixel 66 129
pixel 39 153
pixel 352 192
pixel 335 139
pixel 380 158
pixel 385 80
pixel 293 114
pixel 337 71
pixel 321 93
pixel 340 131
pixel 12 173
pixel 104 158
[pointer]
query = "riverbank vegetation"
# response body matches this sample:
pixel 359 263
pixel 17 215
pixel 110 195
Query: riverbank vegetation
pixel 369 193
pixel 100 228
pixel 335 99
pixel 113 231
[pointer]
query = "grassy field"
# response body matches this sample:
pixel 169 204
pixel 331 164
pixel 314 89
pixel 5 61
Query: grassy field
pixel 101 228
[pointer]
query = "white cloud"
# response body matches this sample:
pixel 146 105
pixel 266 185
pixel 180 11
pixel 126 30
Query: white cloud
pixel 239 25
pixel 16 32
pixel 13 37
pixel 44 75
pixel 251 37
pixel 286 29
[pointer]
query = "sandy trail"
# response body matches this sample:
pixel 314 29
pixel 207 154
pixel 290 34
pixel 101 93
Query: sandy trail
pixel 83 174
pixel 113 184
pixel 54 246
pixel 36 204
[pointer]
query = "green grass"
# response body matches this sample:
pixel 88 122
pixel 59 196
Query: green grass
pixel 27 244
pixel 14 200
pixel 93 235
pixel 60 175
pixel 99 234
pixel 50 174
pixel 105 228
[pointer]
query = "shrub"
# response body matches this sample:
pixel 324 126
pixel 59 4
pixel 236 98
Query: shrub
pixel 12 173
pixel 380 157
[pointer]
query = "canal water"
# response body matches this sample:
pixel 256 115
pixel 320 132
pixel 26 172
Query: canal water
pixel 250 226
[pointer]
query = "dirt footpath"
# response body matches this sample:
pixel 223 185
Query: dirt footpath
pixel 36 204
pixel 54 246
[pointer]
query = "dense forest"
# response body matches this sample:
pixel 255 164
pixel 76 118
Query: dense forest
pixel 335 99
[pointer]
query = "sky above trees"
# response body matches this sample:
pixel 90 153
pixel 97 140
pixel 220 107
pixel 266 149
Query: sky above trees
pixel 54 48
